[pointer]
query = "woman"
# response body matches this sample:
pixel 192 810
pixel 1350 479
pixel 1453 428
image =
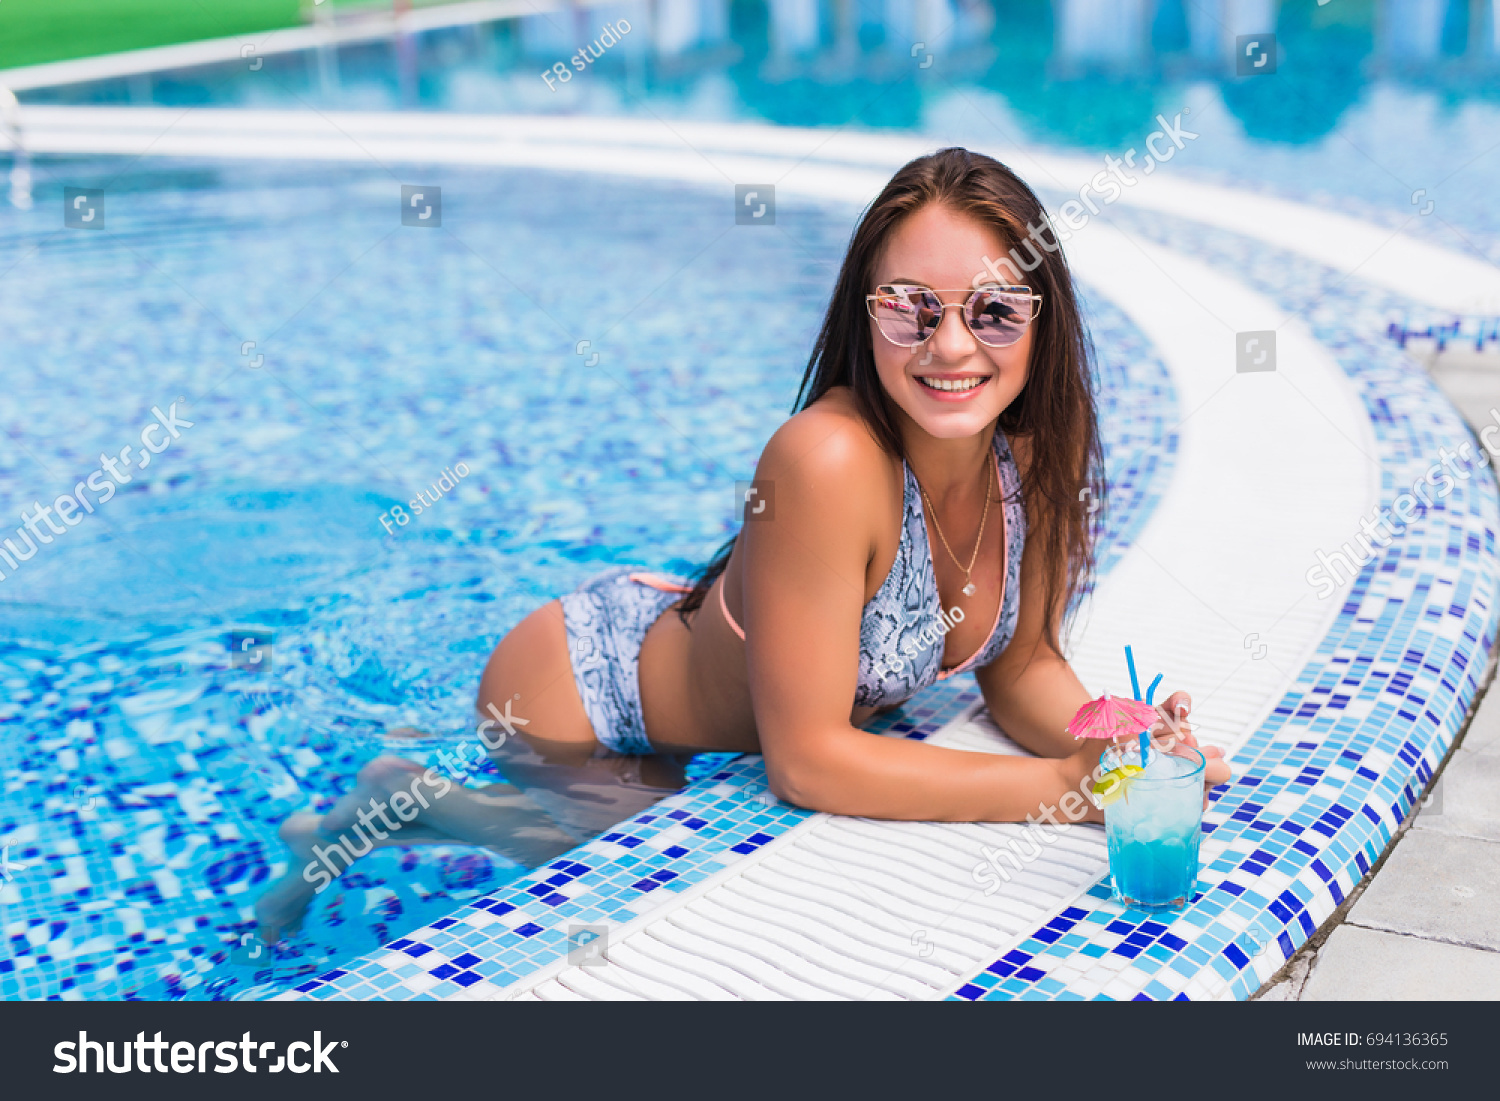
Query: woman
pixel 917 517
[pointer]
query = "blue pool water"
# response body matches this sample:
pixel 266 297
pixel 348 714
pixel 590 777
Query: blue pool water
pixel 143 773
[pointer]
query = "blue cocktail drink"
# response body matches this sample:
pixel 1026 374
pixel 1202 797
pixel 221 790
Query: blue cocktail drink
pixel 1152 822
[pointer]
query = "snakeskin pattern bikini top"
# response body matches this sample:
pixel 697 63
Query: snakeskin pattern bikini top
pixel 903 625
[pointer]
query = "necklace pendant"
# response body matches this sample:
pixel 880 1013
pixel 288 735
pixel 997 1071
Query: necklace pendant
pixel 970 589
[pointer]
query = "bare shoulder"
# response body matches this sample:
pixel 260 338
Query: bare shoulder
pixel 827 451
pixel 837 492
pixel 837 502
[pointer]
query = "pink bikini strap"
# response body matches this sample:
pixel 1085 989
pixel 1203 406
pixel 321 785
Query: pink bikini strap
pixel 659 583
pixel 725 607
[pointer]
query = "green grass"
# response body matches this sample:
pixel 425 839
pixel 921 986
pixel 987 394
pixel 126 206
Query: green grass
pixel 34 31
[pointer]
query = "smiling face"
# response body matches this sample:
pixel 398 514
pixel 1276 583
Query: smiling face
pixel 951 385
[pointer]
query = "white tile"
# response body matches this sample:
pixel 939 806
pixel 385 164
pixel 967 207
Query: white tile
pixel 1085 986
pixel 1284 803
pixel 1271 882
pixel 651 900
pixel 670 836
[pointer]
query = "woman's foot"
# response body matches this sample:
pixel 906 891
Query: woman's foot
pixel 281 908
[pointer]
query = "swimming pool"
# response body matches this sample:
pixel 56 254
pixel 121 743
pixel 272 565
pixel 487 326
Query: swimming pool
pixel 145 773
pixel 146 761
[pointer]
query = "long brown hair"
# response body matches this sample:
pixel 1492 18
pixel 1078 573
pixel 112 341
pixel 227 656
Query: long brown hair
pixel 1054 412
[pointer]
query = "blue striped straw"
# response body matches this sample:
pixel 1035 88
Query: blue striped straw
pixel 1135 686
pixel 1150 691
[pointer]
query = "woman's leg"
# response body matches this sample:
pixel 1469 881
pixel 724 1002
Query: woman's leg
pixel 398 802
pixel 566 789
pixel 553 756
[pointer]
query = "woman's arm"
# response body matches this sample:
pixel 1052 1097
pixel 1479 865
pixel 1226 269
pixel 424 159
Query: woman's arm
pixel 1030 689
pixel 803 586
pixel 1032 692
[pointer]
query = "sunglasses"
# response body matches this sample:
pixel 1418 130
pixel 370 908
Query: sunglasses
pixel 997 315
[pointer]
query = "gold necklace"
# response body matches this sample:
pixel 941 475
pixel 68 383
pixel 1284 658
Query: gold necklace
pixel 989 481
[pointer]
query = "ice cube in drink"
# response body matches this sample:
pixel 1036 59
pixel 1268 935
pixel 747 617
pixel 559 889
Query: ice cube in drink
pixel 1153 829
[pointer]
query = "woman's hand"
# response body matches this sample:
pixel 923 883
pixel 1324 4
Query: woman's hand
pixel 1173 729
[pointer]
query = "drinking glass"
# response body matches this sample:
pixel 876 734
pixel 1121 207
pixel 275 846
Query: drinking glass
pixel 1153 829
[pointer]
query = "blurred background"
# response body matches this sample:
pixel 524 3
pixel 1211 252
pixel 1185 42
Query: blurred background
pixel 1363 88
pixel 334 361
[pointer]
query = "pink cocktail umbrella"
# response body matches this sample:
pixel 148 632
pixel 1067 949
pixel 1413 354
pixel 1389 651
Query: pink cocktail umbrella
pixel 1112 717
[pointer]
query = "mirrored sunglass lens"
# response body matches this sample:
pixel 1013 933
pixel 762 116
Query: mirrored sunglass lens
pixel 906 317
pixel 998 317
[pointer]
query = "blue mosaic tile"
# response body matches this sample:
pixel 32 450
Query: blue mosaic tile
pixel 1404 653
pixel 1372 763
